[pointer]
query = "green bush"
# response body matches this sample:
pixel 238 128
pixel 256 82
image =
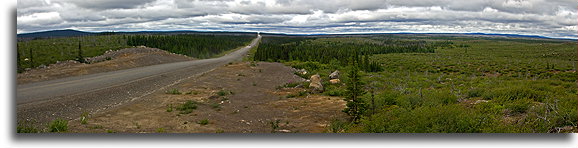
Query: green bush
pixel 518 106
pixel 438 119
pixel 188 107
pixel 338 126
pixel 174 91
pixel 476 92
pixel 84 118
pixel 203 122
pixel 224 92
pixel 25 128
pixel 520 91
pixel 58 125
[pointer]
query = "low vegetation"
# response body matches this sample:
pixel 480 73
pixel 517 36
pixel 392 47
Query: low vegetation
pixel 187 107
pixel 203 122
pixel 450 85
pixel 174 91
pixel 58 125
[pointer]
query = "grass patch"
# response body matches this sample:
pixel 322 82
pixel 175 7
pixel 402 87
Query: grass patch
pixel 160 130
pixel 26 128
pixel 215 105
pixel 203 122
pixel 84 118
pixel 174 91
pixel 187 107
pixel 58 125
pixel 224 92
pixel 170 108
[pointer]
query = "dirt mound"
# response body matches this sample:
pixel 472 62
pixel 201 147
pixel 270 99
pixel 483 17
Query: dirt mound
pixel 110 61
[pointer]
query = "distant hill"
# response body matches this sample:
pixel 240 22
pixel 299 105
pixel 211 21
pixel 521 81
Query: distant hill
pixel 53 33
pixel 71 33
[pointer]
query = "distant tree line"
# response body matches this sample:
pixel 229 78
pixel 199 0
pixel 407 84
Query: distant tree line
pixel 337 52
pixel 198 46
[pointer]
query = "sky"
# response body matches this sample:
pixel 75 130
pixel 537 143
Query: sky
pixel 550 18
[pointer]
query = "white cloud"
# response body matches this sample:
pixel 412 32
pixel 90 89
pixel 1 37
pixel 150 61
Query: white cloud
pixel 554 18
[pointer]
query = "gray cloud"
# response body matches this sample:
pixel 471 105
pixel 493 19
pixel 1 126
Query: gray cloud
pixel 105 4
pixel 553 18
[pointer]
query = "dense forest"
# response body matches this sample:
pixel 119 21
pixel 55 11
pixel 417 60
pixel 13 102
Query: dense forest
pixel 339 51
pixel 198 46
pixel 44 51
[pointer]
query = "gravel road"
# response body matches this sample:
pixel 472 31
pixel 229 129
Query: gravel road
pixel 69 97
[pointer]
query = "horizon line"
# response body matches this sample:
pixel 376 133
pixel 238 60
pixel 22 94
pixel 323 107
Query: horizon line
pixel 317 34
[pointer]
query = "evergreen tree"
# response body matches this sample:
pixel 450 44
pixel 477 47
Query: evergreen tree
pixel 31 58
pixel 355 104
pixel 80 58
pixel 18 60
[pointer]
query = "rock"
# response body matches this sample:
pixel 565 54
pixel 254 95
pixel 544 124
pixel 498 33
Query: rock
pixel 565 129
pixel 302 71
pixel 480 101
pixel 334 81
pixel 334 75
pixel 316 83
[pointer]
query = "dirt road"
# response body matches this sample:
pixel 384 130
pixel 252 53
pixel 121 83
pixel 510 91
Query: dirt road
pixel 69 97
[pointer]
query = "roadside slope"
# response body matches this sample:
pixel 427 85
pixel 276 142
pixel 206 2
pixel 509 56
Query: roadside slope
pixel 238 98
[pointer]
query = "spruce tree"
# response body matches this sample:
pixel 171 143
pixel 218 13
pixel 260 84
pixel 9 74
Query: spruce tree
pixel 80 58
pixel 355 104
pixel 18 60
pixel 31 58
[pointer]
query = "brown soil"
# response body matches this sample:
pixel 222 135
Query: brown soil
pixel 121 59
pixel 254 106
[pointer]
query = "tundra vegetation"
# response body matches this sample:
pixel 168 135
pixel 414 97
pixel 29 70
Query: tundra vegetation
pixel 428 84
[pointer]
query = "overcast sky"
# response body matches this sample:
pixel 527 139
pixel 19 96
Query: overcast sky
pixel 552 18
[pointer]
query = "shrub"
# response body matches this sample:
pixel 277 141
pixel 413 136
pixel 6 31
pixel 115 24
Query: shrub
pixel 174 91
pixel 224 92
pixel 338 126
pixel 58 125
pixel 84 118
pixel 438 119
pixel 518 106
pixel 215 105
pixel 170 108
pixel 24 128
pixel 520 91
pixel 475 92
pixel 203 122
pixel 188 107
pixel 291 96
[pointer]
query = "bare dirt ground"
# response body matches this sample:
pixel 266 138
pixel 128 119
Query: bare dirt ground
pixel 237 98
pixel 110 61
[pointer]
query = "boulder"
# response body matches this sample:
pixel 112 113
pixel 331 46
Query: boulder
pixel 480 101
pixel 334 81
pixel 334 75
pixel 316 83
pixel 302 71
